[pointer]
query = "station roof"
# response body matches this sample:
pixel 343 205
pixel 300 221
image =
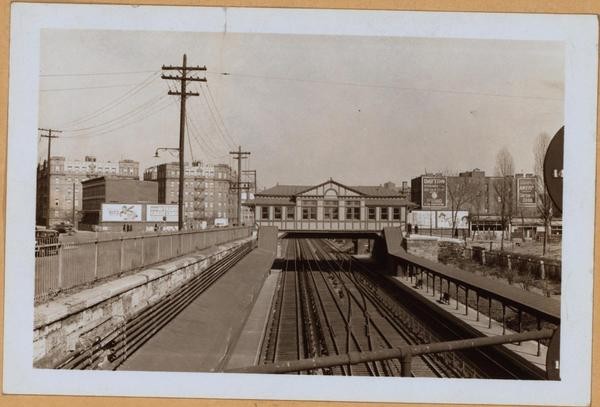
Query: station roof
pixel 293 190
pixel 287 194
pixel 535 304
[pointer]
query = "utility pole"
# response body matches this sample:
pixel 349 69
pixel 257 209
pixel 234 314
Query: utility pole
pixel 73 201
pixel 239 156
pixel 50 136
pixel 183 78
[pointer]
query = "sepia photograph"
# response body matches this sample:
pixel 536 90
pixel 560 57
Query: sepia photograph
pixel 328 207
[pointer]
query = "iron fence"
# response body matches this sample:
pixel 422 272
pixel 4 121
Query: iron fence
pixel 63 265
pixel 536 267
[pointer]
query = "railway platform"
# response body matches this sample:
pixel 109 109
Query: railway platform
pixel 202 336
pixel 248 346
pixel 528 350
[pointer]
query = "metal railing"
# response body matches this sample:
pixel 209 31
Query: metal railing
pixel 404 353
pixel 535 266
pixel 63 265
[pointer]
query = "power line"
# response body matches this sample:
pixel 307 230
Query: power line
pixel 219 115
pixel 48 75
pixel 385 86
pixel 88 87
pixel 211 151
pixel 126 124
pixel 190 142
pixel 125 115
pixel 207 139
pixel 212 115
pixel 115 102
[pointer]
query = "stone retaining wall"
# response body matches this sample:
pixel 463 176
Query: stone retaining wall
pixel 68 323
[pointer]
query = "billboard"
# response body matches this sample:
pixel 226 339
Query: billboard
pixel 162 213
pixel 433 191
pixel 121 213
pixel 526 194
pixel 423 219
pixel 439 219
pixel 444 219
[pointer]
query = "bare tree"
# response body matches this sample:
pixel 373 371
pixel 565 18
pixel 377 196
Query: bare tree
pixel 461 192
pixel 476 210
pixel 544 202
pixel 505 169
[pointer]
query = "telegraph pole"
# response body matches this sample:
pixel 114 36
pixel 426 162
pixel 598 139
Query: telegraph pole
pixel 239 156
pixel 73 209
pixel 50 136
pixel 183 79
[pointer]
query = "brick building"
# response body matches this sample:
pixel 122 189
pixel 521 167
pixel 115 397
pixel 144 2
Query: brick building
pixel 66 177
pixel 103 193
pixel 207 190
pixel 478 202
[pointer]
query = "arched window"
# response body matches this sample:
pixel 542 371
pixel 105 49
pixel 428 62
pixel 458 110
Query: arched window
pixel 331 194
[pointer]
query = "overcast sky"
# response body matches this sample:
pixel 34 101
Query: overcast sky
pixel 361 110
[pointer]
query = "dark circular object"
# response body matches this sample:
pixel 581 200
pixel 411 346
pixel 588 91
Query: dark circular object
pixel 553 168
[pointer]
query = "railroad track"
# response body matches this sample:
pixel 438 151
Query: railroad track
pixel 322 309
pixel 380 330
pixel 496 362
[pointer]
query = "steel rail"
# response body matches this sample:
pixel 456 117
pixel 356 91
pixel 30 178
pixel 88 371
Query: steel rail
pixel 405 353
pixel 364 271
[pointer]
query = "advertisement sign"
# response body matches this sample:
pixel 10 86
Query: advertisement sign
pixel 433 191
pixel 121 213
pixel 526 191
pixel 444 219
pixel 162 213
pixel 221 222
pixel 423 219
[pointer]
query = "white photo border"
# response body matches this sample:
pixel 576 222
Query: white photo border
pixel 579 33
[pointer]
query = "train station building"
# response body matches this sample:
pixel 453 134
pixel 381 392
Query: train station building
pixel 330 206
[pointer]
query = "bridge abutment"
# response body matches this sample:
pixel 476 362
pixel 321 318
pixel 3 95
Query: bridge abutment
pixel 75 321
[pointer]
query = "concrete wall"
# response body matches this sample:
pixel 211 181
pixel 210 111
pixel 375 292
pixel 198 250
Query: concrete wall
pixel 434 248
pixel 69 323
pixel 422 246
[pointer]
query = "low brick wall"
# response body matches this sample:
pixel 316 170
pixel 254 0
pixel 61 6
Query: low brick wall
pixel 69 323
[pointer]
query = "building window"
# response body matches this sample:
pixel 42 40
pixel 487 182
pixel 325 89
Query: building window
pixel 396 213
pixel 353 210
pixel 264 212
pixel 290 213
pixel 331 210
pixel 309 210
pixel 372 213
pixel 277 213
pixel 384 214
